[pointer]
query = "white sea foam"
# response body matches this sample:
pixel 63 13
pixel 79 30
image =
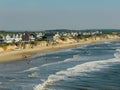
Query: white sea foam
pixel 74 59
pixel 83 46
pixel 117 54
pixel 118 49
pixel 68 50
pixel 107 42
pixel 30 69
pixel 78 70
pixel 44 65
pixel 34 74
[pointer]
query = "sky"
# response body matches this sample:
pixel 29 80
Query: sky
pixel 59 14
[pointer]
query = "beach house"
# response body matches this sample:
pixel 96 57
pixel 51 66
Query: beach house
pixel 49 36
pixel 18 37
pixel 9 38
pixel 1 39
pixel 25 37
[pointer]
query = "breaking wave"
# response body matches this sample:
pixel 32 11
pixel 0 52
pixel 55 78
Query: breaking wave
pixel 74 59
pixel 79 70
pixel 30 69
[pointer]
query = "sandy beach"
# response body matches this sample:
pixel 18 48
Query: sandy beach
pixel 18 54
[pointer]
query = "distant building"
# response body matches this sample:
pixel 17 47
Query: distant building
pixel 18 38
pixel 39 36
pixel 56 36
pixel 49 36
pixel 32 37
pixel 1 40
pixel 25 37
pixel 9 39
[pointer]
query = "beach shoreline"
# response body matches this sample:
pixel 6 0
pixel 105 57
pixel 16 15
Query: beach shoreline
pixel 18 54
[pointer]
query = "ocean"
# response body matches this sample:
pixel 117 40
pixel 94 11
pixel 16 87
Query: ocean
pixel 87 67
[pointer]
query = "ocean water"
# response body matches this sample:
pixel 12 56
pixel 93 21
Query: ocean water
pixel 88 67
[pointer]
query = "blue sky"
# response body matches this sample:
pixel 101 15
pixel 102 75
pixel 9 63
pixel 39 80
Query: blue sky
pixel 59 14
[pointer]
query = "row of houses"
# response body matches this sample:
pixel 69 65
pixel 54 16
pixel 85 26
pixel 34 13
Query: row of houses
pixel 13 38
pixel 27 37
